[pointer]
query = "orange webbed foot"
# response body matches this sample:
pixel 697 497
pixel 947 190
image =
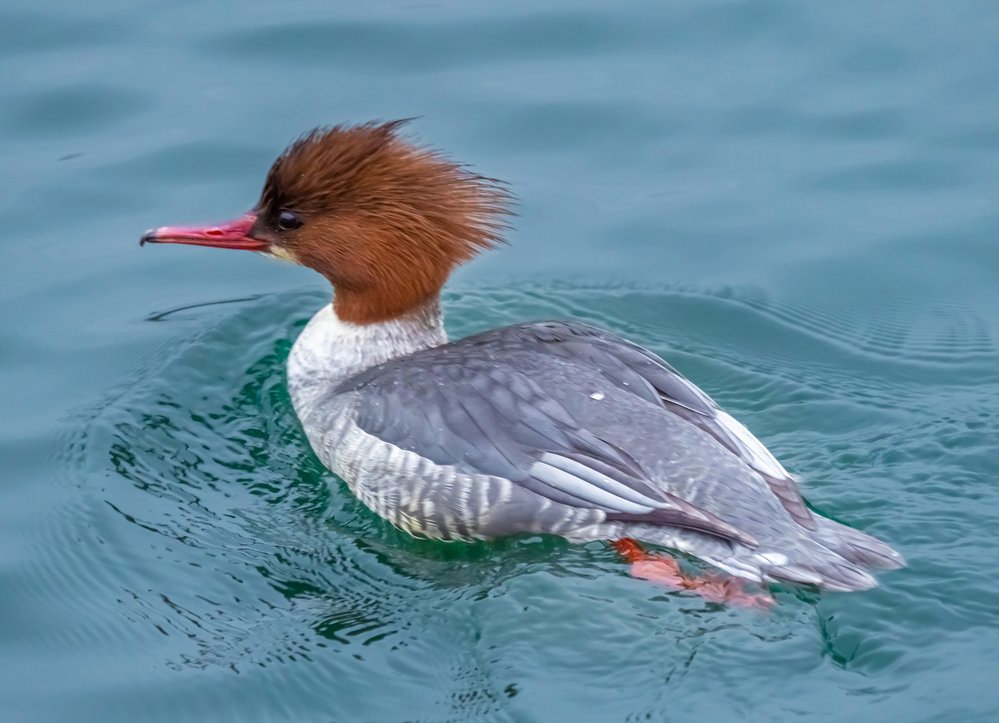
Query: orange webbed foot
pixel 663 569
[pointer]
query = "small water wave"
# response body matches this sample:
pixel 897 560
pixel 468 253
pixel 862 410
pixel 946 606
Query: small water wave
pixel 221 534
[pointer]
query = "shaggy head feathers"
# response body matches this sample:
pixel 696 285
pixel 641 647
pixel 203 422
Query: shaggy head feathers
pixel 386 221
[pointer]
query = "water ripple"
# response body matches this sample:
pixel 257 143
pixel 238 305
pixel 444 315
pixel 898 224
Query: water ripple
pixel 219 531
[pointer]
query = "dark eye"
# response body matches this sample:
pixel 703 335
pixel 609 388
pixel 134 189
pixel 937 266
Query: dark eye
pixel 288 221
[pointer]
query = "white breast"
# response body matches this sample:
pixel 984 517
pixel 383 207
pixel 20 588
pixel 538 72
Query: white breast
pixel 329 350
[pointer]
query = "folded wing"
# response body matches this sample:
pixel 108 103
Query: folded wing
pixel 454 405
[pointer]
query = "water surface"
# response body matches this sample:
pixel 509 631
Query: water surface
pixel 794 202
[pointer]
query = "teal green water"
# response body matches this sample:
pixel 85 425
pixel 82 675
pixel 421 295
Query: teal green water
pixel 795 202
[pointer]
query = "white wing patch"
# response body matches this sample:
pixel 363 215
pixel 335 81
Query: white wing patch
pixel 590 485
pixel 752 449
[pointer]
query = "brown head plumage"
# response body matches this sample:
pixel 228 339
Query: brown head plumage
pixel 386 221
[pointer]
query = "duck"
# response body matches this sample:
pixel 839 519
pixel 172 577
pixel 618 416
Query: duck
pixel 552 427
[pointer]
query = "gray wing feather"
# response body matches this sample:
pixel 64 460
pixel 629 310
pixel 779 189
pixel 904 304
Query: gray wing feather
pixel 623 499
pixel 597 480
pixel 495 419
pixel 630 366
pixel 583 487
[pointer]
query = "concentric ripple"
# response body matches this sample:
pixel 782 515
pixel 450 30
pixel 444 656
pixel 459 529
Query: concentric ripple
pixel 227 546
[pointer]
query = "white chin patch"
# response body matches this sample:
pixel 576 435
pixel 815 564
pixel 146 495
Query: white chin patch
pixel 281 254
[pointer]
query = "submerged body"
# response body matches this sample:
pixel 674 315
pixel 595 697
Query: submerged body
pixel 550 427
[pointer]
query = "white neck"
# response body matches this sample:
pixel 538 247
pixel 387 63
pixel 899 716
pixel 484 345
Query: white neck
pixel 329 350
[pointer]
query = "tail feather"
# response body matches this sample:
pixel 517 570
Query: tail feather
pixel 806 561
pixel 811 563
pixel 832 557
pixel 857 547
pixel 840 576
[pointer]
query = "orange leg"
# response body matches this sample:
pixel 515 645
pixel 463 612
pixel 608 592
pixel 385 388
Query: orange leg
pixel 665 570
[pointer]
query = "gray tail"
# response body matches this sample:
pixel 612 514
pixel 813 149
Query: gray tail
pixel 856 546
pixel 835 557
pixel 820 566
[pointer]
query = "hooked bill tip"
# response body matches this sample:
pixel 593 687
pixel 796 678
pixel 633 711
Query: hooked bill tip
pixel 149 236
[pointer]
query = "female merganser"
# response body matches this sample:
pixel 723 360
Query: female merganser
pixel 552 427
